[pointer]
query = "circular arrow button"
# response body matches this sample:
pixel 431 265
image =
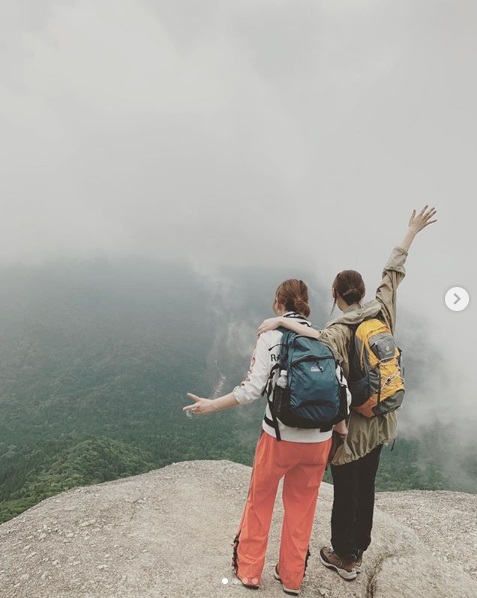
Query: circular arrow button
pixel 457 298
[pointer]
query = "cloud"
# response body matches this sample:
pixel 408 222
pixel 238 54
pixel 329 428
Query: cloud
pixel 140 127
pixel 246 133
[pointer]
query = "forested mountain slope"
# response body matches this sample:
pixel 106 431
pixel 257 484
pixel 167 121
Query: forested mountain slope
pixel 96 359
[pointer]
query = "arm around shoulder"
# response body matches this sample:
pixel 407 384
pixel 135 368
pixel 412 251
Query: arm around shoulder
pixel 290 324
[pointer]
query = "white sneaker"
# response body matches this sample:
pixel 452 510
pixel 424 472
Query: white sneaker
pixel 285 589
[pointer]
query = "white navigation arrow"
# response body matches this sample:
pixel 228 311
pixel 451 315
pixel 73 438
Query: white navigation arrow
pixel 457 299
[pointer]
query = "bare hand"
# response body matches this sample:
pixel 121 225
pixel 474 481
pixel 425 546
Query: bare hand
pixel 200 406
pixel 269 324
pixel 341 429
pixel 419 221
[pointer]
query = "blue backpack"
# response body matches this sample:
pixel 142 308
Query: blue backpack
pixel 314 396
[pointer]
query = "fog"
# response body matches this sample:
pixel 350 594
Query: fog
pixel 252 133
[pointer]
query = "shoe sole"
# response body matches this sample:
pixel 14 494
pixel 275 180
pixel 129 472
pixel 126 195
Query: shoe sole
pixel 348 575
pixel 250 586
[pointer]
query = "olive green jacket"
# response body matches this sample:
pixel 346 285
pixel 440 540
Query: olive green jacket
pixel 366 433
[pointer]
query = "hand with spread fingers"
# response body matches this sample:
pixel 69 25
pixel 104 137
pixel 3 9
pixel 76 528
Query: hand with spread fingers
pixel 419 221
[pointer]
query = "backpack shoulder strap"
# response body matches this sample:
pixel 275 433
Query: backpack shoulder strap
pixel 280 364
pixel 268 390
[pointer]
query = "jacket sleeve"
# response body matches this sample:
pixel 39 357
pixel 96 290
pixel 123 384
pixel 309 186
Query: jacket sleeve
pixel 337 338
pixel 393 274
pixel 251 388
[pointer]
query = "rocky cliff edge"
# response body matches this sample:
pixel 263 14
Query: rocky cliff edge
pixel 168 534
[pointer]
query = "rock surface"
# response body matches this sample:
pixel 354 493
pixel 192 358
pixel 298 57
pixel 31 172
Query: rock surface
pixel 168 534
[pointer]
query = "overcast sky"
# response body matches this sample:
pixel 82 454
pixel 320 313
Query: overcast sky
pixel 245 132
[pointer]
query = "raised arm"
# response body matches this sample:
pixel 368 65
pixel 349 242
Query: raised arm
pixel 394 270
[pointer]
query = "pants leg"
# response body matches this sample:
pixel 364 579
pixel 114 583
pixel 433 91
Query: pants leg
pixel 300 494
pixel 345 506
pixel 252 536
pixel 353 503
pixel 368 467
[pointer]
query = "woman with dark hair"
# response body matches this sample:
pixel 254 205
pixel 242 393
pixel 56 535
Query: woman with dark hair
pixel 300 457
pixel 355 463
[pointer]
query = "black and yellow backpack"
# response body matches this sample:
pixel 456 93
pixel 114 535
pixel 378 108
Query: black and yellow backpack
pixel 376 375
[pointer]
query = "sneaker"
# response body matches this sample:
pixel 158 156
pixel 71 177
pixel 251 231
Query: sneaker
pixel 344 567
pixel 289 591
pixel 251 584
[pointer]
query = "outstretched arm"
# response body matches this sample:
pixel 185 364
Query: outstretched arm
pixel 249 390
pixel 202 406
pixel 417 222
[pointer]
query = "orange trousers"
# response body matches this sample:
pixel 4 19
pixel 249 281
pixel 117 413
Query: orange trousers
pixel 302 465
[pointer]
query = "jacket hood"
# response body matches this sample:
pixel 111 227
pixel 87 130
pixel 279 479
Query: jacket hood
pixel 356 316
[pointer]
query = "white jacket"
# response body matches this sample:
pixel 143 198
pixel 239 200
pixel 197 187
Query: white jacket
pixel 264 357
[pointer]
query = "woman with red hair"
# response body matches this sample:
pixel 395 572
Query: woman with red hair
pixel 298 455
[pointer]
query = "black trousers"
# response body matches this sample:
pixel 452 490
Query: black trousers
pixel 353 503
